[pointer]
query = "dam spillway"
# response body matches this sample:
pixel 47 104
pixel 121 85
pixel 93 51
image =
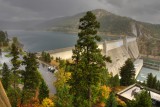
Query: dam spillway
pixel 119 51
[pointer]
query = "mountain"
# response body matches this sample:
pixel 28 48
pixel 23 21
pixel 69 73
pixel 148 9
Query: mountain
pixel 19 25
pixel 111 24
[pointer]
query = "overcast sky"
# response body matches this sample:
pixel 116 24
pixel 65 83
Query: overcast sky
pixel 15 10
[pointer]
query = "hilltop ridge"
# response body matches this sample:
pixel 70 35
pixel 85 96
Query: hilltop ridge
pixel 112 24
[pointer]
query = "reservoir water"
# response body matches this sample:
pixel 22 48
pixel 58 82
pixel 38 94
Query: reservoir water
pixel 35 41
pixel 145 71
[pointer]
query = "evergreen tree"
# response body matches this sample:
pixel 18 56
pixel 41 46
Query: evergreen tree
pixel 31 77
pixel 142 99
pixel 149 80
pixel 63 96
pixel 43 54
pixel 16 42
pixel 111 101
pixel 114 81
pixel 5 76
pixel 89 65
pixel 43 91
pixel 48 58
pixel 127 73
pixel 154 84
pixel 158 85
pixel 16 64
pixel 3 39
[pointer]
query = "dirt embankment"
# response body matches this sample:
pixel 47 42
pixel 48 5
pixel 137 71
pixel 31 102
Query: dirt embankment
pixel 4 101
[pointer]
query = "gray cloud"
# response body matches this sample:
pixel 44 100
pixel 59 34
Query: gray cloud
pixel 14 10
pixel 44 9
pixel 143 10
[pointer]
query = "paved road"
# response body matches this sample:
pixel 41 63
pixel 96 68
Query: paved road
pixel 43 69
pixel 48 77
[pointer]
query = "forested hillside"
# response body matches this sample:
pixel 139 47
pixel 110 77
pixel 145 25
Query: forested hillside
pixel 113 25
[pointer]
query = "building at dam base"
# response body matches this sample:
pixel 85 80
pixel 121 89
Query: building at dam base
pixel 119 51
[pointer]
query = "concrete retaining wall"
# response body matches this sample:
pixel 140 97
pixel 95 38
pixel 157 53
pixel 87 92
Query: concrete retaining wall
pixel 106 46
pixel 118 50
pixel 138 64
pixel 118 57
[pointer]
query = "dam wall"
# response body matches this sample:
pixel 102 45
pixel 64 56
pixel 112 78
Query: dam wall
pixel 106 46
pixel 119 51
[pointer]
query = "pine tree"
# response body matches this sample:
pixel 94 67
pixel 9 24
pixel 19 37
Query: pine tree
pixel 43 54
pixel 158 85
pixel 111 101
pixel 5 76
pixel 115 81
pixel 149 80
pixel 31 77
pixel 89 65
pixel 154 84
pixel 63 97
pixel 127 73
pixel 16 64
pixel 43 91
pixel 142 100
pixel 48 58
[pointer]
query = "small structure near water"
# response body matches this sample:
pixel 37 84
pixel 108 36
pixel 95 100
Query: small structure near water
pixel 131 91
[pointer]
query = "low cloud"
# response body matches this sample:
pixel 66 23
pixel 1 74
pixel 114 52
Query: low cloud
pixel 14 10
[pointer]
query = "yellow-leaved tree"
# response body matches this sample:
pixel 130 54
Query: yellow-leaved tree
pixel 47 103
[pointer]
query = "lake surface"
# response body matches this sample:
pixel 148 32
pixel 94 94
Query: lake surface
pixel 145 71
pixel 35 41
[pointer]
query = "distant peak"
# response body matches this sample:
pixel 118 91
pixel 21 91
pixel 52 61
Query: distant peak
pixel 100 12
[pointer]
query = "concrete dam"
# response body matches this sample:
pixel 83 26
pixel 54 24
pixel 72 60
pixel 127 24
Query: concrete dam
pixel 119 51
